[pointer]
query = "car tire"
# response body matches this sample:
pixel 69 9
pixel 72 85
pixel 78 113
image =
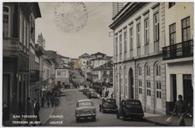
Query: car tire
pixel 117 116
pixel 94 118
pixel 124 117
pixel 103 111
pixel 77 119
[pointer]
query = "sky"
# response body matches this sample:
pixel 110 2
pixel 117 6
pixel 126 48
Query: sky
pixel 72 29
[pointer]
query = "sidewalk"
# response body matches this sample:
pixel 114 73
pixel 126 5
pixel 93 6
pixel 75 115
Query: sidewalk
pixel 45 113
pixel 161 119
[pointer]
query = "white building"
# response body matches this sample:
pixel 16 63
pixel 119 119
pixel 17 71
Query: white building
pixel 98 59
pixel 178 52
pixel 62 76
pixel 139 73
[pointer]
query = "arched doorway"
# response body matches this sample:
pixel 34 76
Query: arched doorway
pixel 131 90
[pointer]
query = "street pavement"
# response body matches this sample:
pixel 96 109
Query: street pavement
pixel 64 114
pixel 77 78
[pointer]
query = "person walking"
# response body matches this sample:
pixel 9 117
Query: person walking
pixel 48 99
pixel 37 109
pixel 30 109
pixel 180 111
pixel 52 99
pixel 179 106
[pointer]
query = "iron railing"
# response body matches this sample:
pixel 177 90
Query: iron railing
pixel 179 50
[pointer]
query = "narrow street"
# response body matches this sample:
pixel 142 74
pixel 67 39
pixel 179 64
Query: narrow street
pixel 63 114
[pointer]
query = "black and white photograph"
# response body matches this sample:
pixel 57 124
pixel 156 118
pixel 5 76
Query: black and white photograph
pixel 97 64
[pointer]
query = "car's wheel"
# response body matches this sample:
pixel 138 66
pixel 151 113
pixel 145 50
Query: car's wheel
pixel 124 117
pixel 103 111
pixel 77 119
pixel 94 118
pixel 117 116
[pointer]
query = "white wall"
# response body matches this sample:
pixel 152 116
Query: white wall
pixel 179 69
pixel 175 14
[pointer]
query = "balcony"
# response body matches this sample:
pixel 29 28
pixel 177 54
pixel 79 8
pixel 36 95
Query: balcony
pixel 12 47
pixel 180 50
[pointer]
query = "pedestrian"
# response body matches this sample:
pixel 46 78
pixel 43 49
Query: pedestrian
pixel 42 101
pixel 52 99
pixel 30 109
pixel 179 106
pixel 179 110
pixel 37 109
pixel 48 99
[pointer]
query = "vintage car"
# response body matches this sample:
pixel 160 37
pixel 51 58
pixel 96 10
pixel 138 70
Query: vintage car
pixel 130 108
pixel 108 105
pixel 85 91
pixel 85 109
pixel 93 94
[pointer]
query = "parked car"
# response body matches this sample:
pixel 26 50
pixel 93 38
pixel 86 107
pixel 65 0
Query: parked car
pixel 81 88
pixel 108 105
pixel 130 108
pixel 93 94
pixel 85 91
pixel 85 109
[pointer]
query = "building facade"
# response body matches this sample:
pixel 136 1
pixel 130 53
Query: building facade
pixel 18 32
pixel 103 73
pixel 62 76
pixel 178 52
pixel 139 73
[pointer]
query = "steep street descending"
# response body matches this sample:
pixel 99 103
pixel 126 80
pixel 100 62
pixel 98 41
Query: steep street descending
pixel 64 113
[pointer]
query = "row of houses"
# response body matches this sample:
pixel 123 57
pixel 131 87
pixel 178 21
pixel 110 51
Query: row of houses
pixel 153 53
pixel 96 67
pixel 28 69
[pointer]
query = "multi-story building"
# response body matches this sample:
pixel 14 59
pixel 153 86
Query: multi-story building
pixel 34 66
pixel 139 73
pixel 62 76
pixel 178 52
pixel 103 73
pixel 18 32
pixel 98 59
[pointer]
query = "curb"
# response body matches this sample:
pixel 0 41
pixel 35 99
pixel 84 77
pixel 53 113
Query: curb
pixel 157 123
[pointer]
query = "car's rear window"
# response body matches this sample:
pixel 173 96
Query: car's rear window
pixel 109 101
pixel 85 103
pixel 132 103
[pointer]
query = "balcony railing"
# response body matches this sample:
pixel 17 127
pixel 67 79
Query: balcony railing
pixel 180 50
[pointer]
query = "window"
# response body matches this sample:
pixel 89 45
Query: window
pixel 138 39
pixel 186 29
pixel 158 70
pixel 6 21
pixel 158 89
pixel 171 4
pixel 138 34
pixel 125 43
pixel 139 70
pixel 156 31
pixel 131 38
pixel 146 30
pixel 58 73
pixel 146 35
pixel 147 70
pixel 148 85
pixel 172 34
pixel 116 51
pixel 140 86
pixel 120 47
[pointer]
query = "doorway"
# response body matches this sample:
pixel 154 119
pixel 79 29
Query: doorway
pixel 131 89
pixel 6 96
pixel 174 87
pixel 187 89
